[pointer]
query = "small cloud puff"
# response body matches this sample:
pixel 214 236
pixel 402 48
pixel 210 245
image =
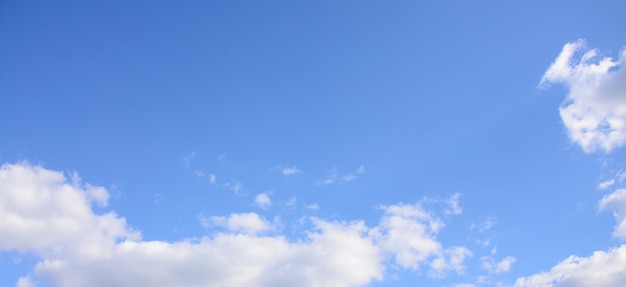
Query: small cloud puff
pixel 263 200
pixel 290 171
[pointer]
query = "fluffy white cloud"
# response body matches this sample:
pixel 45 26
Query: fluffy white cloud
pixel 41 210
pixel 336 254
pixel 594 111
pixel 617 202
pixel 263 200
pixel 604 269
pixel 407 233
pixel 45 214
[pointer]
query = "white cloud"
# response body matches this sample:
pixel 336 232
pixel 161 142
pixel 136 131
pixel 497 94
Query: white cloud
pixel 617 202
pixel 606 184
pixel 290 170
pixel 248 223
pixel 44 214
pixel 24 282
pixel 40 209
pixel 489 222
pixel 594 111
pixel 335 254
pixel 188 158
pixel 292 201
pixel 604 269
pixel 333 176
pixel 211 177
pixel 234 186
pixel 263 200
pixel 313 206
pixel 407 233
pixel 453 205
pixel 490 265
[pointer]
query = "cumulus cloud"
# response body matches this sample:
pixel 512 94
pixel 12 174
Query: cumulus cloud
pixel 42 210
pixel 407 233
pixel 263 200
pixel 603 268
pixel 594 111
pixel 51 217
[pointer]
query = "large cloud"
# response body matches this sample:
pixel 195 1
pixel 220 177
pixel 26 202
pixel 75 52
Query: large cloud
pixel 604 269
pixel 594 111
pixel 51 216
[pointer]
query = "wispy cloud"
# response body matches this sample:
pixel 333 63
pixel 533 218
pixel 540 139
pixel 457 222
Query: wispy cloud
pixel 222 157
pixel 188 158
pixel 489 264
pixel 333 176
pixel 211 177
pixel 234 186
pixel 290 170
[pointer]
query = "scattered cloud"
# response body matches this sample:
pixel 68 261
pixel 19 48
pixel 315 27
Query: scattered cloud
pixel 489 264
pixel 211 177
pixel 594 111
pixel 222 157
pixel 292 201
pixel 263 200
pixel 247 223
pixel 407 233
pixel 333 176
pixel 616 201
pixel 290 171
pixel 606 184
pixel 313 206
pixel 602 268
pixel 453 205
pixel 484 226
pixel 77 247
pixel 188 158
pixel 234 186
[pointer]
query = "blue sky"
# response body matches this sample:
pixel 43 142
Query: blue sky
pixel 321 143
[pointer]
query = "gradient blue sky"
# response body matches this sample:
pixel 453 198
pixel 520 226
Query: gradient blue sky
pixel 285 113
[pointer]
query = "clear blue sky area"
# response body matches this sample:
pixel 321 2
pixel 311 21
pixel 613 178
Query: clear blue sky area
pixel 357 143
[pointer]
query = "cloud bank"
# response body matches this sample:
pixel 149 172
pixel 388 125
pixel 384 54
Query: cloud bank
pixel 46 214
